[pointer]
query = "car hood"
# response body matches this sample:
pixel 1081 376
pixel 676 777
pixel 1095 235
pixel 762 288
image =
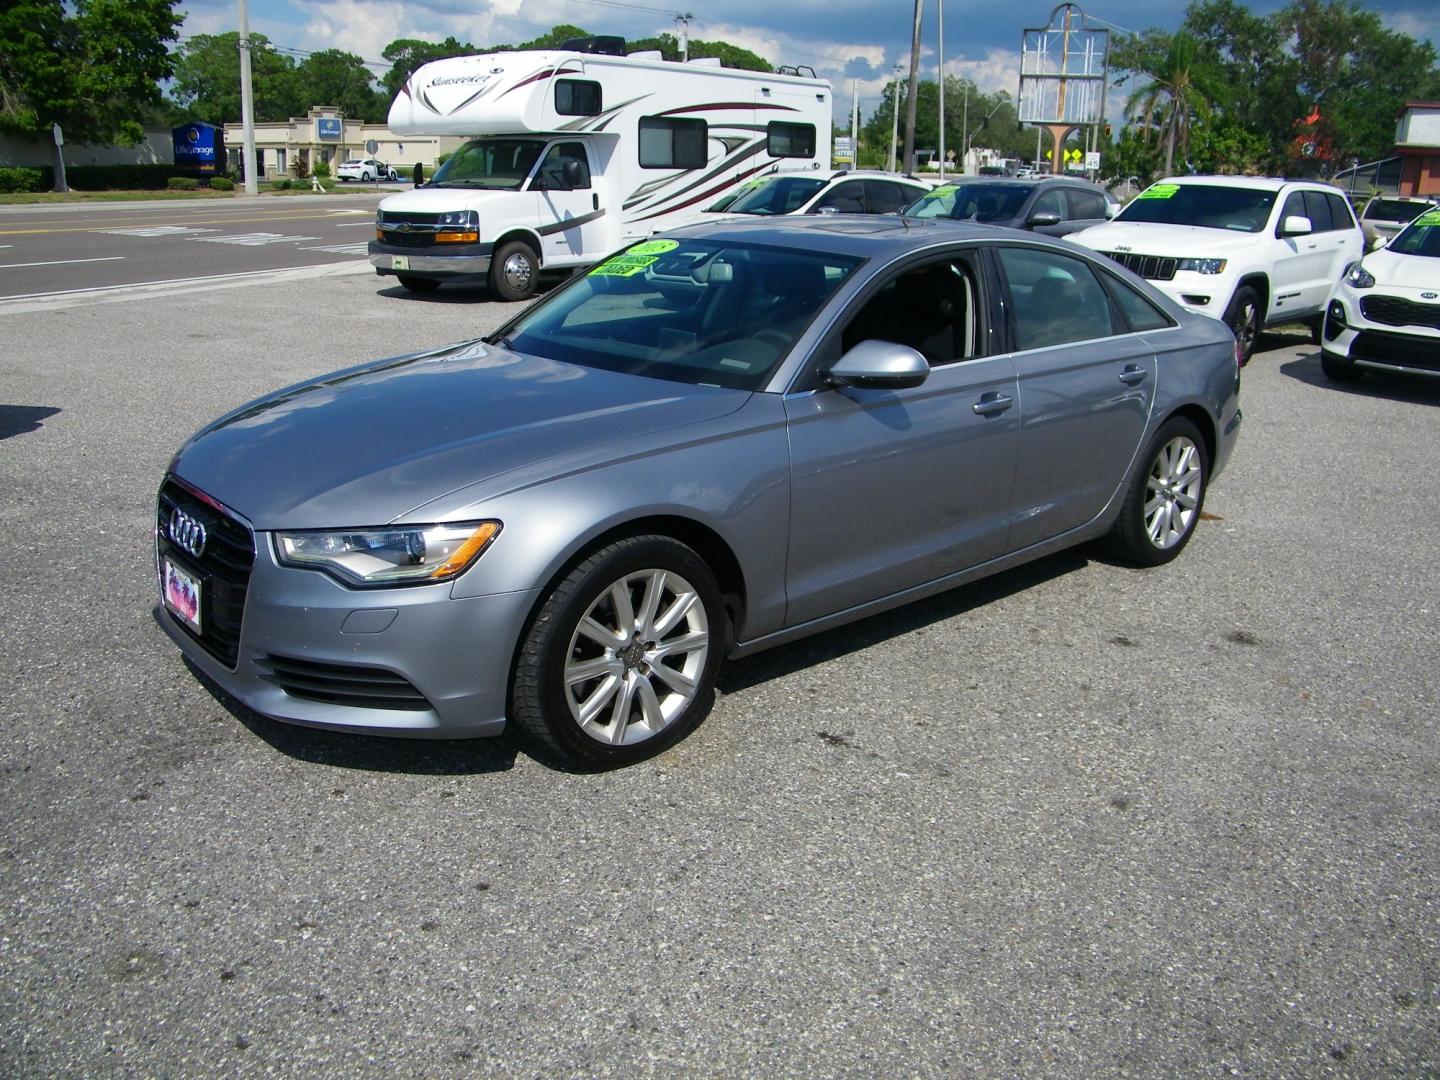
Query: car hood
pixel 1181 241
pixel 366 445
pixel 1406 271
pixel 438 200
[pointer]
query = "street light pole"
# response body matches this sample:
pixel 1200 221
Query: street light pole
pixel 940 20
pixel 895 117
pixel 247 103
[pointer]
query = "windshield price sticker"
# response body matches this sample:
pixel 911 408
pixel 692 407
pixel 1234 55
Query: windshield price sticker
pixel 941 192
pixel 1159 191
pixel 1430 217
pixel 623 265
pixel 654 247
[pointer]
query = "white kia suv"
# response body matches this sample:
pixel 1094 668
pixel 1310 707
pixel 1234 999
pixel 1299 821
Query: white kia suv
pixel 1250 251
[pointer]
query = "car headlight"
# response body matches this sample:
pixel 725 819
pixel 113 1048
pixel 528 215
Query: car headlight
pixel 459 219
pixel 1357 277
pixel 397 555
pixel 1203 266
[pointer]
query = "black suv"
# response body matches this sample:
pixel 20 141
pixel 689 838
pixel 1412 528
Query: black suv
pixel 1054 205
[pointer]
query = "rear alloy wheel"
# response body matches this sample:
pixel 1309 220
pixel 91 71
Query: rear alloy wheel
pixel 620 659
pixel 418 284
pixel 1243 318
pixel 1164 502
pixel 514 271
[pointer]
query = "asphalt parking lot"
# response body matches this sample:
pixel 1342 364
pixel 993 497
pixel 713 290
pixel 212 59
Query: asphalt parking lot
pixel 1075 821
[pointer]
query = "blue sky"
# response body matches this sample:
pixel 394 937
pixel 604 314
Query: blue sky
pixel 843 40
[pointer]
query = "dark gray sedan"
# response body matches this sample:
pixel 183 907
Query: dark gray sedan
pixel 1051 205
pixel 711 443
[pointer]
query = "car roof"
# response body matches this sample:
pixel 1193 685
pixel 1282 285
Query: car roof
pixel 1256 183
pixel 859 235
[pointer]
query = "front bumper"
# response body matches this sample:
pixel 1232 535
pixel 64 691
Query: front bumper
pixel 1349 336
pixel 414 662
pixel 464 261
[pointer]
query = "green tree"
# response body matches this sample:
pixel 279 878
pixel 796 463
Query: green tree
pixel 91 66
pixel 407 54
pixel 332 77
pixel 207 80
pixel 1175 91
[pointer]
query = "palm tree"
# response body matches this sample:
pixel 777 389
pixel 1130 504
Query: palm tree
pixel 1176 94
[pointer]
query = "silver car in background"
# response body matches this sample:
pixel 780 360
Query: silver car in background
pixel 712 443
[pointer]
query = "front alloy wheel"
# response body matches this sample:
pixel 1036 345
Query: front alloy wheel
pixel 620 658
pixel 1164 502
pixel 1244 321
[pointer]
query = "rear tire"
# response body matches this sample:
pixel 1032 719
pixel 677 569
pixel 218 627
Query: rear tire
pixel 619 661
pixel 418 284
pixel 1338 369
pixel 514 271
pixel 1243 318
pixel 1166 497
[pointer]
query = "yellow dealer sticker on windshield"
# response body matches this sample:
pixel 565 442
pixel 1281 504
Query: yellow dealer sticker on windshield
pixel 653 247
pixel 1159 191
pixel 623 266
pixel 941 192
pixel 1430 217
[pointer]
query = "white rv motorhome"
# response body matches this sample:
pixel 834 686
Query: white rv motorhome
pixel 573 154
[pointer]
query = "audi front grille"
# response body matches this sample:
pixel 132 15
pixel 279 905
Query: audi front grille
pixel 227 556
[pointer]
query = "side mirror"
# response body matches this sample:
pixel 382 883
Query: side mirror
pixel 1043 217
pixel 1296 225
pixel 1379 242
pixel 570 172
pixel 879 365
pixel 1112 210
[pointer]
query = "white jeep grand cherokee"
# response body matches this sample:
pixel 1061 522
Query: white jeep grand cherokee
pixel 1252 252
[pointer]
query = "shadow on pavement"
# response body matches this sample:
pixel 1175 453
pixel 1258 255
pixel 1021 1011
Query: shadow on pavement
pixel 23 419
pixel 1392 385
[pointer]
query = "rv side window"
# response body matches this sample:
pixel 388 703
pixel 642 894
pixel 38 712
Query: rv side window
pixel 667 142
pixel 790 140
pixel 577 97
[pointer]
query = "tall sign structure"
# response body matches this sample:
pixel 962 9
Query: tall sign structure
pixel 1064 67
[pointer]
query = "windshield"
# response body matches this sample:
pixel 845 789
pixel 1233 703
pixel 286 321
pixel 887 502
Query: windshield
pixel 490 163
pixel 972 202
pixel 1401 210
pixel 1420 237
pixel 690 311
pixel 773 195
pixel 1207 206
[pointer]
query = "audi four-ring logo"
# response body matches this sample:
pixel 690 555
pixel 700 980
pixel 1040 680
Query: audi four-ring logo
pixel 187 532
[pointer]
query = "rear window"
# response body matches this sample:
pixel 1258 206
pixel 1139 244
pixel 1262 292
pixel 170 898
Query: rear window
pixel 1204 205
pixel 1394 210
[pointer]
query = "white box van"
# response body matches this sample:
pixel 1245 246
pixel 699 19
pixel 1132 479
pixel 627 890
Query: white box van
pixel 574 154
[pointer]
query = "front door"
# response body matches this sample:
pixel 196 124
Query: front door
pixel 571 224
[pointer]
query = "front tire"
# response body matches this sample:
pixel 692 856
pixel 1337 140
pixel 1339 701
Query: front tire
pixel 1165 500
pixel 514 271
pixel 619 661
pixel 1243 318
pixel 1338 369
pixel 418 284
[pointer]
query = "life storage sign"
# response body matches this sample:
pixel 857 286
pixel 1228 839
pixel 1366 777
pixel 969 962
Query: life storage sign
pixel 199 148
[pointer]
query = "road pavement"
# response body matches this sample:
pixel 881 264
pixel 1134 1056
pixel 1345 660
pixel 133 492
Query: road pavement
pixel 1075 821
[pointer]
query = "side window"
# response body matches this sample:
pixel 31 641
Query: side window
pixel 1052 202
pixel 846 198
pixel 1340 214
pixel 790 140
pixel 1294 204
pixel 1317 209
pixel 935 310
pixel 1055 299
pixel 668 142
pixel 552 169
pixel 577 97
pixel 1086 205
pixel 1139 312
pixel 886 198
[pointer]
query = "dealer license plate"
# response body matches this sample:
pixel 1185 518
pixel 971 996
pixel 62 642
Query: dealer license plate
pixel 399 262
pixel 182 595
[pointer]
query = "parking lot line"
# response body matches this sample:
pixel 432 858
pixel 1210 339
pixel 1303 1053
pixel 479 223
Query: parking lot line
pixel 60 262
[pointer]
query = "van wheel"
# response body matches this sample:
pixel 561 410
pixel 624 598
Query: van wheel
pixel 1243 318
pixel 418 284
pixel 621 657
pixel 514 270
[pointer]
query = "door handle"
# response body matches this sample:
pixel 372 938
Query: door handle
pixel 992 403
pixel 595 201
pixel 1133 375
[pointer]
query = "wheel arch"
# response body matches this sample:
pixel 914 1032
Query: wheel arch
pixel 1261 284
pixel 528 237
pixel 1201 418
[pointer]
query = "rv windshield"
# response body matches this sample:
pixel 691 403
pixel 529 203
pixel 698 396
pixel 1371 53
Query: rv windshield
pixel 693 311
pixel 490 163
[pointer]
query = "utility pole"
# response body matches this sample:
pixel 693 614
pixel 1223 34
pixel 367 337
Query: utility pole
pixel 684 21
pixel 854 124
pixel 965 132
pixel 247 103
pixel 914 80
pixel 940 7
pixel 895 118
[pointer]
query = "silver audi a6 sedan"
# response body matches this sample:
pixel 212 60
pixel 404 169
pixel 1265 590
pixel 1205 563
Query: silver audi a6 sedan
pixel 711 443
